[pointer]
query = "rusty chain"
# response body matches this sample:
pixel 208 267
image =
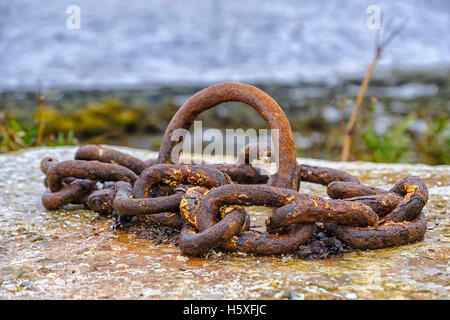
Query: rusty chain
pixel 206 202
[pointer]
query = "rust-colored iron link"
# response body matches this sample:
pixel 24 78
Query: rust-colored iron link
pixel 323 175
pixel 193 242
pixel 99 153
pixel 217 203
pixel 344 190
pixel 206 202
pixel 382 204
pixel 76 192
pixel 202 232
pixel 171 174
pixel 404 221
pixel 415 194
pixel 101 201
pixel 161 210
pixel 269 110
pixel 82 169
pixel 125 204
pixel 388 234
pixel 138 200
pixel 72 190
pixel 311 209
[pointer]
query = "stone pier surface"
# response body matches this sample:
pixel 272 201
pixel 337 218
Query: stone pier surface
pixel 74 253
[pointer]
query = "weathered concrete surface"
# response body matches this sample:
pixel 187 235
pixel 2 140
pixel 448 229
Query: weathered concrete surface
pixel 75 253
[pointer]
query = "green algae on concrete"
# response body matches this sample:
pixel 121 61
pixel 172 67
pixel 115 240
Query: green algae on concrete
pixel 75 254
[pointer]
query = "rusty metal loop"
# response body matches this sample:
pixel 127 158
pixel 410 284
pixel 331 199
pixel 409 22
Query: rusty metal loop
pixel 189 204
pixel 404 224
pixel 244 195
pixel 389 234
pixel 74 193
pixel 324 175
pixel 102 154
pixel 415 194
pixel 196 243
pixel 250 241
pixel 193 242
pixel 269 110
pixel 344 190
pixel 412 188
pixel 101 201
pixel 82 169
pixel 198 237
pixel 271 244
pixel 138 200
pixel 47 163
pixel 310 209
pixel 125 204
pixel 174 175
pixel 382 204
pixel 171 220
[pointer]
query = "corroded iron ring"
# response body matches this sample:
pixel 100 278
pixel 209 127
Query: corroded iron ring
pixel 125 204
pixel 102 154
pixel 226 198
pixel 193 242
pixel 174 175
pixel 404 223
pixel 389 234
pixel 76 193
pixel 269 110
pixel 310 209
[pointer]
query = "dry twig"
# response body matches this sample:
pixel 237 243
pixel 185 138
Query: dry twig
pixel 381 44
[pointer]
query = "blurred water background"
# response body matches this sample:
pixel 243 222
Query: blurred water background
pixel 123 74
